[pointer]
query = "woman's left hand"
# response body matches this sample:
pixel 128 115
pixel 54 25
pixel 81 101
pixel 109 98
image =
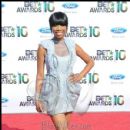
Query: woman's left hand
pixel 75 78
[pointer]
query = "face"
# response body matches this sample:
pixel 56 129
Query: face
pixel 59 31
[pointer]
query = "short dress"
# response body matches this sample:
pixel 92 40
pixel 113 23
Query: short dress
pixel 59 95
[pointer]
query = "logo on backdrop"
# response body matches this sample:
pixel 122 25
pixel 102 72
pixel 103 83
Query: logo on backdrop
pixel 110 7
pixel 2 5
pixel 107 100
pixel 4 100
pixel 110 55
pixel 29 102
pixel 118 32
pixel 18 31
pixel 83 31
pixel 11 78
pixel 30 55
pixel 90 78
pixel 45 32
pixel 117 78
pixel 36 7
pixel 3 54
pixel 70 5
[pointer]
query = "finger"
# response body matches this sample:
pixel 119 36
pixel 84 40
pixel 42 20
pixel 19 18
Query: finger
pixel 38 109
pixel 71 74
pixel 76 79
pixel 41 108
pixel 71 79
pixel 75 76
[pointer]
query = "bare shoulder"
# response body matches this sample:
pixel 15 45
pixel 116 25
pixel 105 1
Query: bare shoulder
pixel 82 53
pixel 79 49
pixel 41 50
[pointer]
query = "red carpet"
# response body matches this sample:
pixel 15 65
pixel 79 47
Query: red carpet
pixel 89 121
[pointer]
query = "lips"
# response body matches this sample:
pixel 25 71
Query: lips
pixel 59 33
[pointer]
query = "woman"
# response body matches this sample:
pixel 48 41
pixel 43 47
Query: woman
pixel 61 87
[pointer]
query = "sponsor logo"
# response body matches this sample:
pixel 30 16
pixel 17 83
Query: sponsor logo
pixel 36 7
pixel 83 31
pixel 70 5
pixel 90 78
pixel 45 30
pixel 110 55
pixel 4 100
pixel 117 76
pixel 118 30
pixel 3 54
pixel 108 100
pixel 2 5
pixel 110 7
pixel 11 78
pixel 30 101
pixel 30 55
pixel 18 31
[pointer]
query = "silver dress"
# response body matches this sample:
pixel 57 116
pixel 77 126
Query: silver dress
pixel 59 95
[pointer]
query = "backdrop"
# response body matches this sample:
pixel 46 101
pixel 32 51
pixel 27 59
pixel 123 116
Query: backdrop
pixel 100 28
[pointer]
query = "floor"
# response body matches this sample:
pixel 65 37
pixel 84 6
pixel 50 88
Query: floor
pixel 88 121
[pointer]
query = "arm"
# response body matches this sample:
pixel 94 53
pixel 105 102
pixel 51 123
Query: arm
pixel 86 58
pixel 40 68
pixel 39 77
pixel 89 64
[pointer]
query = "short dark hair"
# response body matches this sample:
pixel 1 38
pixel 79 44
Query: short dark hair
pixel 58 18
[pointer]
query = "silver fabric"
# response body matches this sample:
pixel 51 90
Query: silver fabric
pixel 58 93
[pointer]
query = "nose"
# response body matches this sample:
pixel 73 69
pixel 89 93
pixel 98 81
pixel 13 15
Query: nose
pixel 58 27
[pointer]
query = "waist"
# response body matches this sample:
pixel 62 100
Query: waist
pixel 58 75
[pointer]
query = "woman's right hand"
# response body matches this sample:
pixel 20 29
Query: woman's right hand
pixel 39 106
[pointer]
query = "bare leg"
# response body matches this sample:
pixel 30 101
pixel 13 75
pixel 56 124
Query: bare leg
pixel 68 117
pixel 60 121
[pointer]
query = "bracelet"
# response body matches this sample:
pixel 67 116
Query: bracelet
pixel 38 96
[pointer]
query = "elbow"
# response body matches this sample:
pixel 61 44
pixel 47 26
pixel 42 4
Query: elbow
pixel 92 63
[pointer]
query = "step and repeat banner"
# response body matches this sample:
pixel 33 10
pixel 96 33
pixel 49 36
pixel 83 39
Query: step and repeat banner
pixel 100 28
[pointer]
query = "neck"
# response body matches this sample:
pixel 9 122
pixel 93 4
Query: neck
pixel 58 41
